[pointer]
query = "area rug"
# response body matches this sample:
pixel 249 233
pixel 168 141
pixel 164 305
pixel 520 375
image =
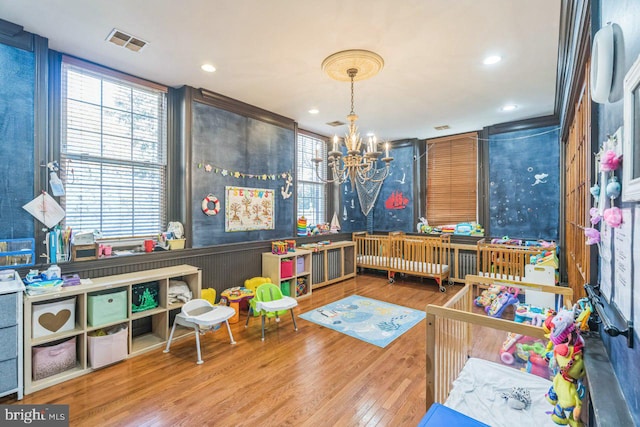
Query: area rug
pixel 370 320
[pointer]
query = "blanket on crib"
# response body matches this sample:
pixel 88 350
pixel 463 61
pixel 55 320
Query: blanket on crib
pixel 478 390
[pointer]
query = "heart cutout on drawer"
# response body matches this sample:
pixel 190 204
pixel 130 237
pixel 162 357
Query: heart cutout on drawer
pixel 53 322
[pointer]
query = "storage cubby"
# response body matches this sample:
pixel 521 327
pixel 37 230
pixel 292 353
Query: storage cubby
pixel 110 301
pixel 285 269
pixel 148 331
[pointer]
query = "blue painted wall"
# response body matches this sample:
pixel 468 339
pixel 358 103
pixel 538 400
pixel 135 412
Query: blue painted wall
pixel 17 82
pixel 385 215
pixel 521 206
pixel 625 13
pixel 237 143
pixel 394 208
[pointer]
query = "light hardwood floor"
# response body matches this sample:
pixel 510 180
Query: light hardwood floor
pixel 312 377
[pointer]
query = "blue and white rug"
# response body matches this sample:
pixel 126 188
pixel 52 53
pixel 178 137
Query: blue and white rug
pixel 370 320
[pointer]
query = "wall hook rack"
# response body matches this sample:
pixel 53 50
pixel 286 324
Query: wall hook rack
pixel 611 328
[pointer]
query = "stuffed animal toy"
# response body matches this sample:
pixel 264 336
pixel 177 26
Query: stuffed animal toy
pixel 518 398
pixel 488 295
pixel 499 304
pixel 567 391
pixel 592 235
pixel 595 216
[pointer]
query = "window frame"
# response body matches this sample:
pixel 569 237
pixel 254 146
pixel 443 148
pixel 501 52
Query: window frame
pixel 322 142
pixel 158 165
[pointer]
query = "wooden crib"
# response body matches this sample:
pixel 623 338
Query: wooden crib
pixel 423 256
pixel 505 261
pixel 455 332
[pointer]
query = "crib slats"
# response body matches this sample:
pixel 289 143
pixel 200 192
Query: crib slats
pixel 504 261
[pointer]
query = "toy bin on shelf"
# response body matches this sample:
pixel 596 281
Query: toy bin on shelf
pixel 53 358
pixel 106 349
pixel 285 288
pixel 53 317
pixel 176 243
pixel 299 265
pixel 286 268
pixel 144 296
pixel 17 252
pixel 106 307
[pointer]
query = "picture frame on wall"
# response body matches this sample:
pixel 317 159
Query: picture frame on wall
pixel 631 165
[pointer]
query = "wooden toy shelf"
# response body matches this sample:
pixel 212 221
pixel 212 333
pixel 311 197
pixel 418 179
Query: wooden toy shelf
pixel 152 335
pixel 290 271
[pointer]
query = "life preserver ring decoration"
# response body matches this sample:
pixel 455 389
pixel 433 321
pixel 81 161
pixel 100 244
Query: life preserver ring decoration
pixel 216 205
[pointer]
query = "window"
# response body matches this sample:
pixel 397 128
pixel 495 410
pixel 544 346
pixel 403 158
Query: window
pixel 452 179
pixel 112 151
pixel 312 193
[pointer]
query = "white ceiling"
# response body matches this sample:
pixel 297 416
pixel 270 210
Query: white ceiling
pixel 268 54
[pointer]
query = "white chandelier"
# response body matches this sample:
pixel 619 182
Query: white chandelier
pixel 360 164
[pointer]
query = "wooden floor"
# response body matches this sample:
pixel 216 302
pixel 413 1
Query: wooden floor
pixel 312 377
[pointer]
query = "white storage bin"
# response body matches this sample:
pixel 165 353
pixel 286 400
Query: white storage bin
pixel 53 317
pixel 107 349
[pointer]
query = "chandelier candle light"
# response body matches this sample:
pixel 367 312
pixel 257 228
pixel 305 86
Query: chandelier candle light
pixel 361 161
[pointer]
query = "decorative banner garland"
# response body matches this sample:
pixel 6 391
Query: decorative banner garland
pixel 237 174
pixel 285 191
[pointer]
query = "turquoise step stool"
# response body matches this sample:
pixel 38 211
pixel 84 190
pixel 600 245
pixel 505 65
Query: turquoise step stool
pixel 441 416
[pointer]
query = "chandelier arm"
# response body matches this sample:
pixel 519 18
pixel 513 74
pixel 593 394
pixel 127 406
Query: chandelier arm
pixel 385 174
pixel 325 180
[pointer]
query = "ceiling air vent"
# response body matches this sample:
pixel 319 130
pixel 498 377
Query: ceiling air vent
pixel 123 39
pixel 443 127
pixel 336 123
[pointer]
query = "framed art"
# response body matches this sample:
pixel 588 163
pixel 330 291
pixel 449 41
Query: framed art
pixel 631 165
pixel 249 209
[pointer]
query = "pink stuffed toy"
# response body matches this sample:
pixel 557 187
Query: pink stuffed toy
pixel 610 161
pixel 595 216
pixel 593 236
pixel 613 216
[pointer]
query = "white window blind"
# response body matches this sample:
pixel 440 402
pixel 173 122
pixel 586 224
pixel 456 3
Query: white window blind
pixel 113 153
pixel 312 193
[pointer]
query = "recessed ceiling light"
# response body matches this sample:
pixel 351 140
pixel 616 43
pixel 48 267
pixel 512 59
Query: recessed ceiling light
pixel 493 59
pixel 314 111
pixel 208 68
pixel 509 107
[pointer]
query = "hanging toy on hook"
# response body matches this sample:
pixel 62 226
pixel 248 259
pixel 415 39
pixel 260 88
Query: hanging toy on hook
pixel 610 161
pixel 613 215
pixel 613 188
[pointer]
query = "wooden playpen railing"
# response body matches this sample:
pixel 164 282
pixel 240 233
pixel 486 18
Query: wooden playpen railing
pixel 372 250
pixel 505 261
pixel 449 331
pixel 424 256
